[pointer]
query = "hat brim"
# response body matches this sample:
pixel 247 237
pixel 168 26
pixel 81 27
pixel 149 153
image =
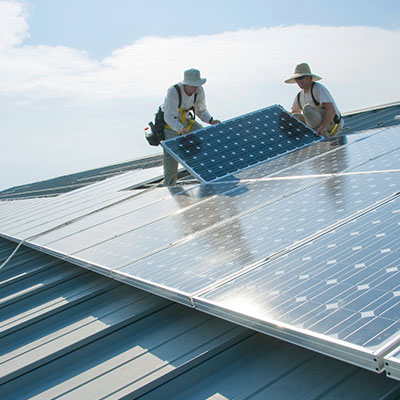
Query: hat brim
pixel 292 79
pixel 197 82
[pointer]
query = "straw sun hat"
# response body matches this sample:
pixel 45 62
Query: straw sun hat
pixel 302 69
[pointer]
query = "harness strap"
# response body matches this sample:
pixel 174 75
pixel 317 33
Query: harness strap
pixel 182 111
pixel 182 114
pixel 312 95
pixel 190 124
pixel 178 89
pixel 333 129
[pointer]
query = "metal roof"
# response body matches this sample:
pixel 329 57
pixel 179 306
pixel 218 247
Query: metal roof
pixel 67 332
pixel 372 117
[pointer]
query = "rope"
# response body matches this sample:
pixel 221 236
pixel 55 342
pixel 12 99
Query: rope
pixel 12 254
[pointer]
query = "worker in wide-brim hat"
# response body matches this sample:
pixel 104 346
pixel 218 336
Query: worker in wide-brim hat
pixel 314 105
pixel 183 102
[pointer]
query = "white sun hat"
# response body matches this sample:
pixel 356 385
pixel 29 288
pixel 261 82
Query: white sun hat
pixel 191 77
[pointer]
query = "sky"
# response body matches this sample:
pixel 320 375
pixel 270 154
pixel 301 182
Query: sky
pixel 80 80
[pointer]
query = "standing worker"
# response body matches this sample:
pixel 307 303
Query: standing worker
pixel 314 105
pixel 180 99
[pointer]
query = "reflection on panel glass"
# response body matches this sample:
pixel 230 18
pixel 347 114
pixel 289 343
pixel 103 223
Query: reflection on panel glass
pixel 118 182
pixel 135 215
pixel 346 158
pixel 61 214
pixel 329 163
pixel 345 284
pixel 76 204
pixel 333 156
pixel 205 258
pixel 238 199
pixel 289 161
pixel 222 149
pixel 387 162
pixel 14 211
pixel 146 203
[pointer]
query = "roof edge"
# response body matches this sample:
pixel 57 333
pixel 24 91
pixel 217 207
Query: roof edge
pixel 379 107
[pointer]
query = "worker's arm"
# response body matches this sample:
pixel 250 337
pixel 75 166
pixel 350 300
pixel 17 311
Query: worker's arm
pixel 171 110
pixel 296 107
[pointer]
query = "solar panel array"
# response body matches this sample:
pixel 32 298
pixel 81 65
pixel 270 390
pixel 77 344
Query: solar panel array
pixel 302 245
pixel 343 285
pixel 240 143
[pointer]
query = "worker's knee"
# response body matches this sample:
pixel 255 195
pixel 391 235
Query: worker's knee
pixel 313 115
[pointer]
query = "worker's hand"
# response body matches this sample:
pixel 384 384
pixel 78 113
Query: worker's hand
pixel 184 131
pixel 215 121
pixel 321 131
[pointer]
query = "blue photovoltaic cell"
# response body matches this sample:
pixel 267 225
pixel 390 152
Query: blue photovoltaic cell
pixel 240 143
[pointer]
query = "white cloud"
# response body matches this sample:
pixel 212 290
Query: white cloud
pixel 13 25
pixel 244 60
pixel 110 101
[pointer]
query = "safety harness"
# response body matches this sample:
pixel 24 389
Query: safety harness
pixel 336 118
pixel 183 112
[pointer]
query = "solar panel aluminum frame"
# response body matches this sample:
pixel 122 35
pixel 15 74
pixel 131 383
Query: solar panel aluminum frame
pixel 154 288
pixel 140 283
pixel 341 350
pixel 392 364
pixel 193 172
pixel 10 238
pixel 62 256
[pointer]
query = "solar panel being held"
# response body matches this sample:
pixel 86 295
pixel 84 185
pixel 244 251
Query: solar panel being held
pixel 242 142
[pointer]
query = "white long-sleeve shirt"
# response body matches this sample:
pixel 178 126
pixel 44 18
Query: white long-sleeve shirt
pixel 171 110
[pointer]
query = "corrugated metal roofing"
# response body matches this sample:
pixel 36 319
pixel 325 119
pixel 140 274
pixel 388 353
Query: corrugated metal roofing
pixel 68 333
pixel 370 118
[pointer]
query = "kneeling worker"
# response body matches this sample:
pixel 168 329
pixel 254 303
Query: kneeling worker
pixel 314 105
pixel 180 99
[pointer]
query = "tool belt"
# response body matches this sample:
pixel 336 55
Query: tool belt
pixel 337 119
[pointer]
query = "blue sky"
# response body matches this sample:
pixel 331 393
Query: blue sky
pixel 81 79
pixel 101 26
